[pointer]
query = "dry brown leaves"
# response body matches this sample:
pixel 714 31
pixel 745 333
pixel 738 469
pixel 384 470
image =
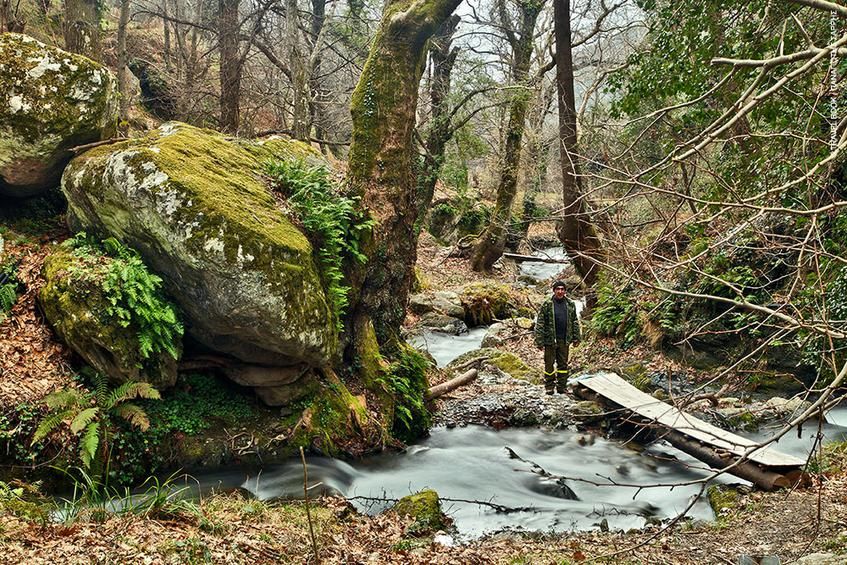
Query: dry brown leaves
pixel 32 361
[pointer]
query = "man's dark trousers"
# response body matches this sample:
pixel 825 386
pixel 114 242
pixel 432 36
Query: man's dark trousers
pixel 558 355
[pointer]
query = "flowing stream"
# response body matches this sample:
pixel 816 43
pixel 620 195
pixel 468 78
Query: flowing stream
pixel 544 271
pixel 445 347
pixel 532 492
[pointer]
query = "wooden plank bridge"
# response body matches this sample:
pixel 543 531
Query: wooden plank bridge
pixel 765 467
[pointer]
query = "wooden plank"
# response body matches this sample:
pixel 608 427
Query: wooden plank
pixel 617 390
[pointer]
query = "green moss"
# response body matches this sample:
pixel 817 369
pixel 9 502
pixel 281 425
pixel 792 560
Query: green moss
pixel 513 365
pixel 330 417
pixel 486 300
pixel 636 375
pixel 194 202
pixel 50 100
pixel 425 508
pixel 723 500
pixel 82 312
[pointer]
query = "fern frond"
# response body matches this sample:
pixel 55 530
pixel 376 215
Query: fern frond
pixel 88 444
pixel 49 423
pixel 130 390
pixel 133 414
pixel 101 389
pixel 83 419
pixel 64 398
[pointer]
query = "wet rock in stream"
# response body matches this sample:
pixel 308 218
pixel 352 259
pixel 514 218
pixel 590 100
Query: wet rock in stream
pixel 505 401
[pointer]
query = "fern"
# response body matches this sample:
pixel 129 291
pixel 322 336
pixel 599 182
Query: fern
pixel 92 413
pixel 133 414
pixel 50 423
pixel 133 293
pixel 130 390
pixel 330 218
pixel 84 418
pixel 89 443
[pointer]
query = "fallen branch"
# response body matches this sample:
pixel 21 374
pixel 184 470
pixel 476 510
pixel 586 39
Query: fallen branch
pixel 80 148
pixel 452 384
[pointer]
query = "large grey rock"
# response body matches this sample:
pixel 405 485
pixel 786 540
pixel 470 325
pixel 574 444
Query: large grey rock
pixel 50 101
pixel 445 302
pixel 193 204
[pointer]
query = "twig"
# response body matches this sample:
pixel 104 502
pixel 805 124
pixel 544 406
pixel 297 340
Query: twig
pixel 308 512
pixel 80 148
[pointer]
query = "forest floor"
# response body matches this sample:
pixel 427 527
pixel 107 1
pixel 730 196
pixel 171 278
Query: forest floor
pixel 227 528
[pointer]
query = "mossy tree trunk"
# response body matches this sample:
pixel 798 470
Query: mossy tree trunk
pixel 82 27
pixel 381 165
pixel 492 241
pixel 442 56
pixel 576 230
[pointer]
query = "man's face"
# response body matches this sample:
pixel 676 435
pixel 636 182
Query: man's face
pixel 559 292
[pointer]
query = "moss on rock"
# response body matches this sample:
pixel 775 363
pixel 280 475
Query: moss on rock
pixel 78 308
pixel 425 508
pixel 507 362
pixel 50 101
pixel 484 301
pixel 194 204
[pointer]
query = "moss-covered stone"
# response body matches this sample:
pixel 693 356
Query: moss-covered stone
pixel 723 499
pixel 194 205
pixel 507 362
pixel 486 300
pixel 425 508
pixel 77 308
pixel 50 101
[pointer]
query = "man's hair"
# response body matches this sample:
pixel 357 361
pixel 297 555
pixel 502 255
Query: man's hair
pixel 559 284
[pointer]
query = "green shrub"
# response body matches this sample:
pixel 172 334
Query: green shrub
pixel 331 218
pixel 615 314
pixel 133 292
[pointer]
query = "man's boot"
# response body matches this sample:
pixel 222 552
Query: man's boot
pixel 562 381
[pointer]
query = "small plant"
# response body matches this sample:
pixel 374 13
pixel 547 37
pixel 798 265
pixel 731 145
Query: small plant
pixel 91 414
pixel 331 219
pixel 8 288
pixel 133 292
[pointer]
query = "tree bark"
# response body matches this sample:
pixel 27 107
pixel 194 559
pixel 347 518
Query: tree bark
pixel 452 384
pixel 576 230
pixel 492 242
pixel 82 27
pixel 123 61
pixel 230 63
pixel 380 165
pixel 443 57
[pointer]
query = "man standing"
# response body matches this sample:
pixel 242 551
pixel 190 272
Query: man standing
pixel 556 327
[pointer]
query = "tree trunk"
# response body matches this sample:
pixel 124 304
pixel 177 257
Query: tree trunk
pixel 82 27
pixel 491 243
pixel 123 61
pixel 535 169
pixel 576 230
pixel 230 62
pixel 443 56
pixel 380 165
pixel 10 18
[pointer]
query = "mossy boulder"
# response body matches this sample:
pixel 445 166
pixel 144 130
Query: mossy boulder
pixel 507 362
pixel 50 101
pixel 485 301
pixel 194 204
pixel 425 508
pixel 75 304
